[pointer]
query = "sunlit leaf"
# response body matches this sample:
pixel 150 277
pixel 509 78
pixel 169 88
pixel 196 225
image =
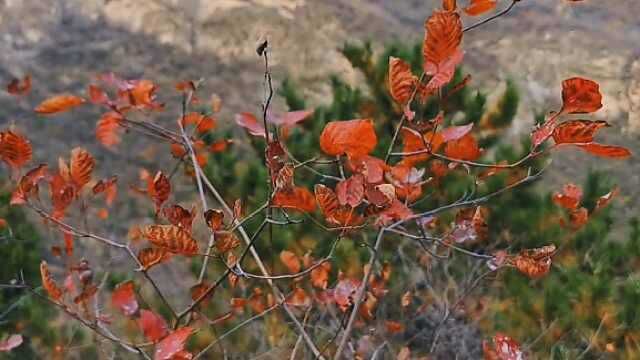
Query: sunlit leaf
pixel 172 344
pixel 580 96
pixel 15 149
pixel 59 103
pixel 171 238
pixel 48 283
pixel 353 137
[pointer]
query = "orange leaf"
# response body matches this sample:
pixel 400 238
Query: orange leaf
pixel 81 167
pixel 569 198
pixel 298 198
pixel 402 82
pixel 351 190
pixel 150 257
pixel 28 185
pixel 580 96
pixel 15 149
pixel 59 103
pixel 171 238
pixel 608 151
pixel 353 137
pixel 48 283
pixel 152 325
pixel 159 189
pixel 604 200
pixel 250 122
pixel 291 261
pixel 320 275
pixel 108 129
pixel 205 124
pixel 179 216
pixel 443 35
pixel 143 94
pixel 220 145
pixel 172 345
pixel 534 263
pixel 108 187
pixel 465 148
pixel 449 5
pixel 18 88
pixel 479 7
pixel 577 131
pixel 123 298
pixel 214 219
pixel 226 241
pixel 97 95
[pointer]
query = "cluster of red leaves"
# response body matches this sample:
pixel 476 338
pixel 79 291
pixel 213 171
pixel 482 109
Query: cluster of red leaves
pixel 570 199
pixel 169 344
pixel 579 96
pixel 503 347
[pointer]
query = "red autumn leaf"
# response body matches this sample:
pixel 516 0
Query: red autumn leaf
pixel 577 131
pixel 370 167
pixel 250 122
pixel 344 293
pixel 569 198
pixel 413 142
pixel 604 200
pixel 124 298
pixel 159 189
pixel 109 128
pixel 535 263
pixel 320 275
pixel 443 73
pixel 353 137
pixel 10 343
pixel 608 151
pixel 351 191
pixel 68 243
pixel 141 93
pixel 298 198
pixel 291 261
pixel 28 185
pixel 86 294
pixel 15 149
pixel 214 219
pixel 396 211
pixel 220 145
pixel 62 195
pixel 402 82
pixel 48 283
pixel 150 257
pixel 80 167
pixel 152 325
pixel 108 187
pixel 393 327
pixel 542 132
pixel 449 5
pixel 455 132
pixel 465 148
pixel 172 344
pixel 59 103
pixel 206 124
pixel 179 216
pixel 504 348
pixel 443 35
pixel 18 88
pixel 479 7
pixel 580 96
pixel 97 95
pixel 291 118
pixel 171 238
pixel 579 217
pixel 407 181
pixel 333 212
pixel 298 297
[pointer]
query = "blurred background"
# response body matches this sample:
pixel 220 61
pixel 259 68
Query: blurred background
pixel 330 55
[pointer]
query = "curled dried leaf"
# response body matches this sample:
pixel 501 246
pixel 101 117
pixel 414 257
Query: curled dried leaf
pixel 214 219
pixel 59 103
pixel 48 283
pixel 535 263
